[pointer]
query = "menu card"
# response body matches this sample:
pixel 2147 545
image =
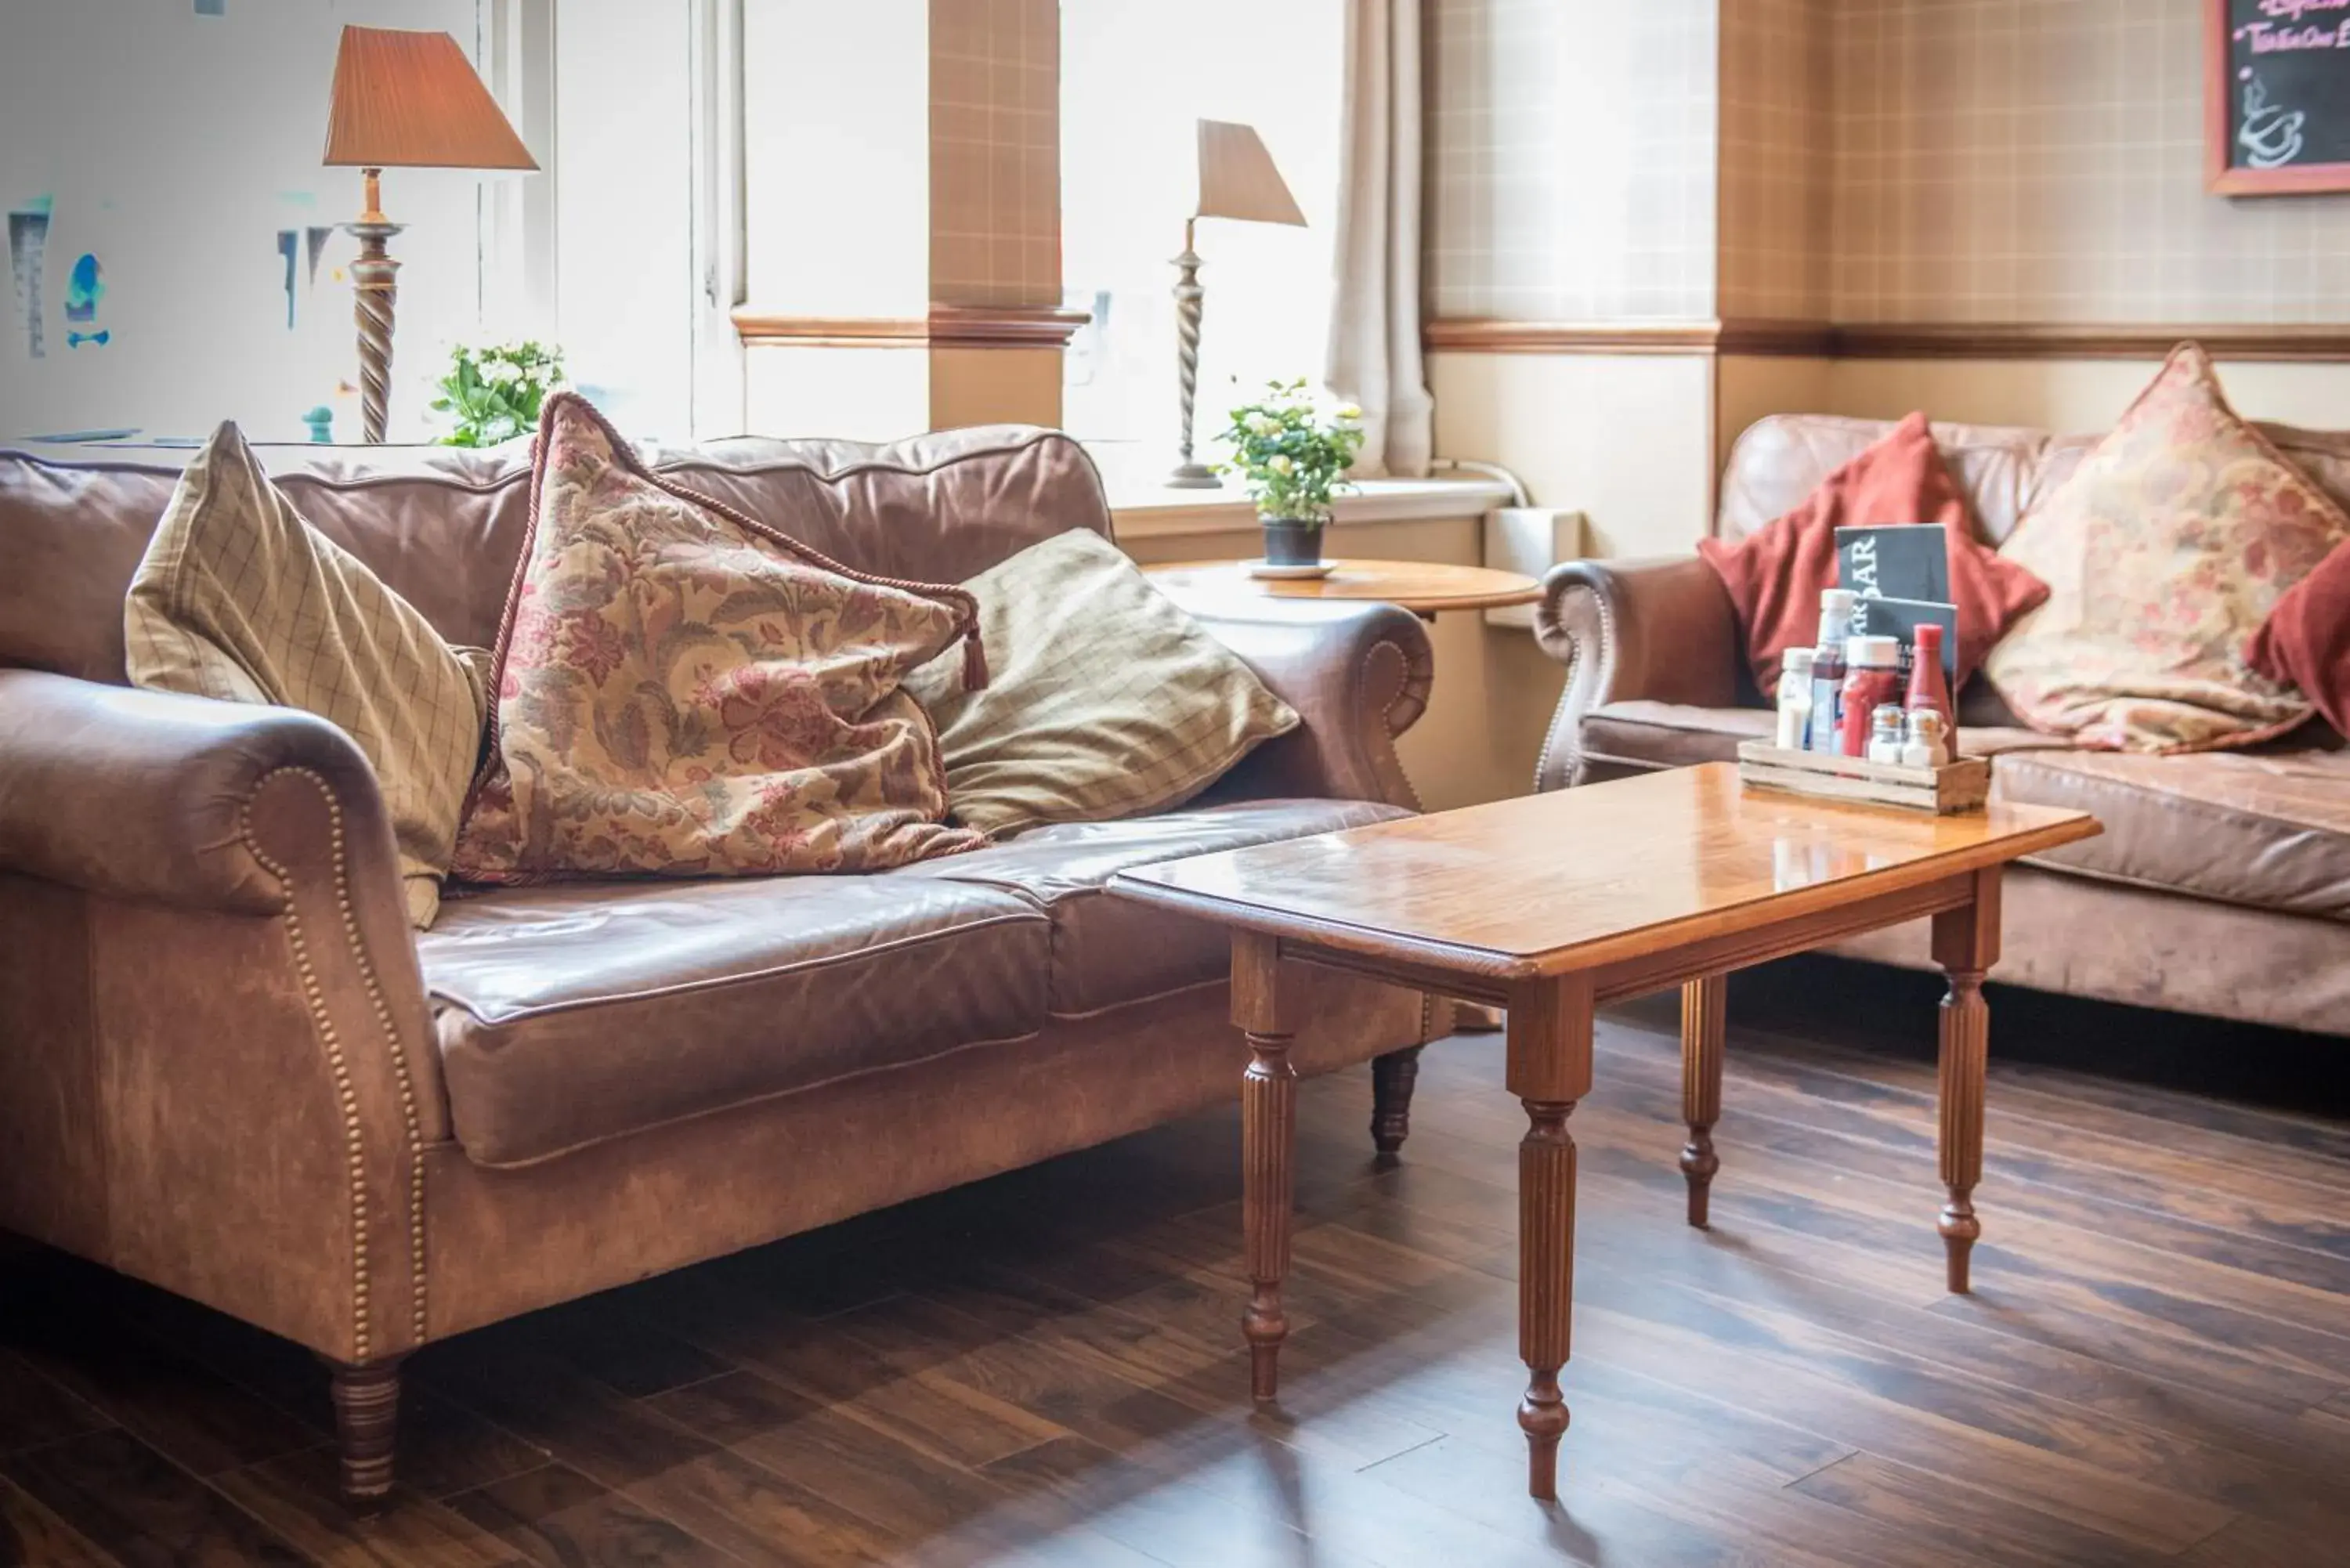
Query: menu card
pixel 1902 574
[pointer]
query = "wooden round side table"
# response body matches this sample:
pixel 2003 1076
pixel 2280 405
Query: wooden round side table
pixel 1423 587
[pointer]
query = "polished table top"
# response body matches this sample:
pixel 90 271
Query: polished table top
pixel 1549 884
pixel 1421 587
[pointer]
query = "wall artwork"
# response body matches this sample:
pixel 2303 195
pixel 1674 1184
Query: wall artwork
pixel 289 249
pixel 2279 91
pixel 85 288
pixel 212 7
pixel 29 248
pixel 301 251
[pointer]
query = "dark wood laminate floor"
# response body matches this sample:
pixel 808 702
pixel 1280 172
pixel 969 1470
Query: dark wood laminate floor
pixel 1044 1368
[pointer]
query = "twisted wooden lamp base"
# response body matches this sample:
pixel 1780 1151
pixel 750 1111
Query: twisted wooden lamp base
pixel 375 280
pixel 1189 301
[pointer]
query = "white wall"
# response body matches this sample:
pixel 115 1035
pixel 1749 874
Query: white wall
pixel 1624 438
pixel 174 146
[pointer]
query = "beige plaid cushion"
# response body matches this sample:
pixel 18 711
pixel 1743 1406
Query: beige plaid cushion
pixel 239 599
pixel 1104 699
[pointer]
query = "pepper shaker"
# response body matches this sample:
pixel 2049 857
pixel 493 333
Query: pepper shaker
pixel 1926 743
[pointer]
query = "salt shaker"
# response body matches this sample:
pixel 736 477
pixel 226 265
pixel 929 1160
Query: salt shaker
pixel 1885 743
pixel 1927 743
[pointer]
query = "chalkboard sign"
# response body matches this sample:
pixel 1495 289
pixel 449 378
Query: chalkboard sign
pixel 2279 96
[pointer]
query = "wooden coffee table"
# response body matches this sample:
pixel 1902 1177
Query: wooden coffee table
pixel 1550 905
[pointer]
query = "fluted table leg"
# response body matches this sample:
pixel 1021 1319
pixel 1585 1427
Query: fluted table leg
pixel 1549 1071
pixel 1704 1017
pixel 1268 1146
pixel 1966 944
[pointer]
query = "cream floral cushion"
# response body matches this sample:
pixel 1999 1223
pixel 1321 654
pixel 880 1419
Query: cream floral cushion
pixel 1106 699
pixel 683 691
pixel 2164 553
pixel 239 599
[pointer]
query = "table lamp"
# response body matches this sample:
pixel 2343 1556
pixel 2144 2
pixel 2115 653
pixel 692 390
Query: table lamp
pixel 1237 180
pixel 404 101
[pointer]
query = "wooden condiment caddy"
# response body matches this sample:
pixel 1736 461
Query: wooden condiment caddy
pixel 1961 785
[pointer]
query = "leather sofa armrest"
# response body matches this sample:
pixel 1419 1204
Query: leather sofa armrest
pixel 275 1172
pixel 1357 673
pixel 1662 630
pixel 172 799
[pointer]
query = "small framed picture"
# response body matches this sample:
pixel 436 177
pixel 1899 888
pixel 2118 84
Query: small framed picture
pixel 2278 110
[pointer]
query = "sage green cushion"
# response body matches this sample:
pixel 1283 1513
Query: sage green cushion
pixel 1104 699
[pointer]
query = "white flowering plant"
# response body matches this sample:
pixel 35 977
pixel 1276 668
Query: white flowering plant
pixel 496 390
pixel 1291 453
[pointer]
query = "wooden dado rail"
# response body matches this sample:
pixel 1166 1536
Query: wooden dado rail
pixel 1883 340
pixel 946 327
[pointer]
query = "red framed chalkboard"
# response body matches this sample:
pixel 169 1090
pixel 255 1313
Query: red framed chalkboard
pixel 2278 114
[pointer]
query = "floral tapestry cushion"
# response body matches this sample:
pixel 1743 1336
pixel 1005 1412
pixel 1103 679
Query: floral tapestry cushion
pixel 1104 700
pixel 2164 554
pixel 683 691
pixel 238 598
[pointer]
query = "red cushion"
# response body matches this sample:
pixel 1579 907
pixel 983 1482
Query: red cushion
pixel 1776 574
pixel 2305 642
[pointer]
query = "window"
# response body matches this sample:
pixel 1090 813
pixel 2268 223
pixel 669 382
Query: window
pixel 620 250
pixel 176 254
pixel 1134 78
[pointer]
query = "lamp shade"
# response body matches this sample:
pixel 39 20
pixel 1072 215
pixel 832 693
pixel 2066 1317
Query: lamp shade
pixel 411 100
pixel 1237 178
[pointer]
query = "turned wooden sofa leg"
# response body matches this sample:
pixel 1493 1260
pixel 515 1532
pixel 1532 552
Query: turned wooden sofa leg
pixel 1392 1077
pixel 367 1422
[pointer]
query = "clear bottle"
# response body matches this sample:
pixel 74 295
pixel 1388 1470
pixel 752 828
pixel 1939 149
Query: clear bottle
pixel 1795 700
pixel 1828 668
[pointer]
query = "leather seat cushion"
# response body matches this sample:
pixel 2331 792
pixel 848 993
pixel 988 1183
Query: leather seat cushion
pixel 2268 828
pixel 574 1013
pixel 1636 736
pixel 1107 950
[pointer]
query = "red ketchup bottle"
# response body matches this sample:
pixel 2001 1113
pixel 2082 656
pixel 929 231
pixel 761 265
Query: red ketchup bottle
pixel 1928 687
pixel 1872 679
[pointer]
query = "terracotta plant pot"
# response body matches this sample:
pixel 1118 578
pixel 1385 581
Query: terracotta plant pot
pixel 1289 542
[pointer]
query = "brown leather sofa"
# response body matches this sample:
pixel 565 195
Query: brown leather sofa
pixel 2221 884
pixel 227 1067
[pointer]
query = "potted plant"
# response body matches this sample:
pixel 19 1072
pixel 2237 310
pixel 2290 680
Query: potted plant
pixel 496 391
pixel 1292 458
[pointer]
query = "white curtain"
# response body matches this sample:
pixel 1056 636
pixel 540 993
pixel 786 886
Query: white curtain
pixel 1374 357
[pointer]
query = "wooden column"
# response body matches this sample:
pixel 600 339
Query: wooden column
pixel 1966 944
pixel 1549 1071
pixel 1268 1150
pixel 1704 1021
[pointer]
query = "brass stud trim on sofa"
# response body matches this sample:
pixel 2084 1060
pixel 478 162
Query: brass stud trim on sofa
pixel 323 1024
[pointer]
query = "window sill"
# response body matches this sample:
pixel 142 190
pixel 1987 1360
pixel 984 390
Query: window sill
pixel 1157 511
